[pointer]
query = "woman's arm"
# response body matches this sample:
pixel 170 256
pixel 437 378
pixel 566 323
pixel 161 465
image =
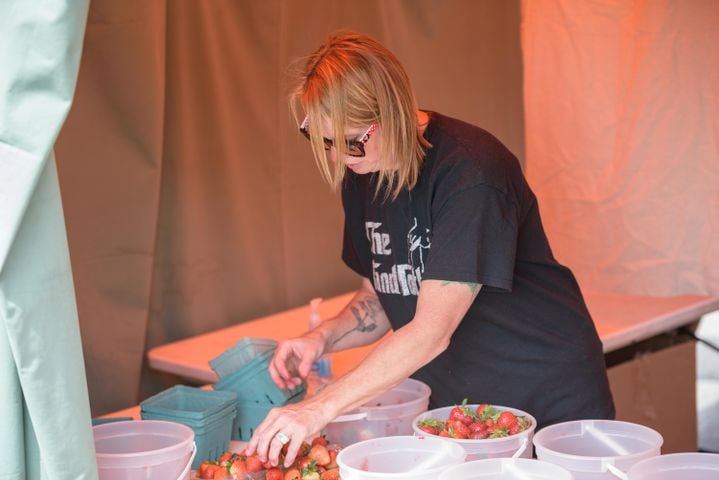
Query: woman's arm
pixel 441 305
pixel 361 322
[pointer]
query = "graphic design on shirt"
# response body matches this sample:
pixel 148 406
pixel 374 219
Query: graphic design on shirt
pixel 388 277
pixel 416 242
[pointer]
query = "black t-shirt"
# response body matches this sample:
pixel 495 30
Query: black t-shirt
pixel 527 341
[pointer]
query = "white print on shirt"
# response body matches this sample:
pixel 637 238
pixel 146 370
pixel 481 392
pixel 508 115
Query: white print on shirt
pixel 378 240
pixel 414 242
pixel 399 279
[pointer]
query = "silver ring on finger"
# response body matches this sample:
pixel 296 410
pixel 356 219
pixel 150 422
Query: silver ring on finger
pixel 282 438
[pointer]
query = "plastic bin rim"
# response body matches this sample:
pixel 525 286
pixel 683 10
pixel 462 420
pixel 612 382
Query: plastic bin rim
pixel 485 441
pixel 460 453
pixel 156 453
pixel 538 436
pixel 222 399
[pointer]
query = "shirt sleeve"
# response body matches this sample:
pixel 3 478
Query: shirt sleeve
pixel 474 238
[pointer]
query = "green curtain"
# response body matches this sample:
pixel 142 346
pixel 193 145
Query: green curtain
pixel 45 429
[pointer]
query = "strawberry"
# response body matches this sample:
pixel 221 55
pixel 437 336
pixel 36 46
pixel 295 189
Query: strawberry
pixel 479 435
pixel 254 464
pixel 431 425
pixel 458 429
pixel 221 473
pixel 322 440
pixel 481 408
pixel 497 432
pixel 444 433
pixel 319 454
pixel 506 419
pixel 224 457
pixel 293 474
pixel 428 429
pixel 303 462
pixel 331 474
pixel 333 460
pixel 206 469
pixel 238 468
pixel 477 427
pixel 273 473
pixel 310 471
pixel 462 413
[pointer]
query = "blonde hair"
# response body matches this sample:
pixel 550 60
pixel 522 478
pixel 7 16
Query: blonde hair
pixel 352 80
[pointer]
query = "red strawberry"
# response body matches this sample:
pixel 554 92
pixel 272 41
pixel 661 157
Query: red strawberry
pixel 254 464
pixel 322 440
pixel 221 473
pixel 514 429
pixel 444 433
pixel 429 429
pixel 480 409
pixel 319 454
pixel 331 474
pixel 293 474
pixel 462 413
pixel 479 435
pixel 477 427
pixel 274 473
pixel 506 419
pixel 459 429
pixel 238 468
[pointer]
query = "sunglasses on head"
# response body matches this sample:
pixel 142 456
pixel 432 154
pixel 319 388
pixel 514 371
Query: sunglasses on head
pixel 355 147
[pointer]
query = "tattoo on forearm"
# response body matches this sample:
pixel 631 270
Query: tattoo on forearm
pixel 474 287
pixel 366 315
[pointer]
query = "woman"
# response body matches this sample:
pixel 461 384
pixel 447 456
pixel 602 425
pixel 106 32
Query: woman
pixel 446 233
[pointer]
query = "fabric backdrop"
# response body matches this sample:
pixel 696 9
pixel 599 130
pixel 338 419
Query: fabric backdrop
pixel 191 201
pixel 622 129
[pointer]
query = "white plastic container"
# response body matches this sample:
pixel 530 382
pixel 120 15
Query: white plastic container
pixel 517 445
pixel 403 457
pixel 597 449
pixel 387 415
pixel 142 450
pixel 506 469
pixel 684 466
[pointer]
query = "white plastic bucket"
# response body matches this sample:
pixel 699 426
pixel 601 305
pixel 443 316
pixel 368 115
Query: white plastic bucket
pixel 402 457
pixel 684 466
pixel 597 449
pixel 387 415
pixel 144 450
pixel 506 469
pixel 517 445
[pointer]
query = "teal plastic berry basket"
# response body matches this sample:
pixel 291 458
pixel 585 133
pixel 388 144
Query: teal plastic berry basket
pixel 241 353
pixel 211 437
pixel 250 415
pixel 253 383
pixel 191 403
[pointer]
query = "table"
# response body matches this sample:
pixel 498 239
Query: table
pixel 652 386
pixel 620 320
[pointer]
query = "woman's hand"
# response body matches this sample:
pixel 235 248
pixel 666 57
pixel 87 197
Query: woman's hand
pixel 293 359
pixel 289 424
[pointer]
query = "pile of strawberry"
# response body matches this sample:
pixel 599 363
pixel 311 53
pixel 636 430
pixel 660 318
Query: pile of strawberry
pixel 315 461
pixel 484 422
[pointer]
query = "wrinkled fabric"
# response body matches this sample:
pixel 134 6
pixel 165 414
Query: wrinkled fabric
pixel 205 207
pixel 621 106
pixel 45 429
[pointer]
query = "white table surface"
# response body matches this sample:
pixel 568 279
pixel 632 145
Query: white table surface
pixel 620 319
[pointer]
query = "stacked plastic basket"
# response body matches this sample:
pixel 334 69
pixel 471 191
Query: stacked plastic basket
pixel 243 370
pixel 209 413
